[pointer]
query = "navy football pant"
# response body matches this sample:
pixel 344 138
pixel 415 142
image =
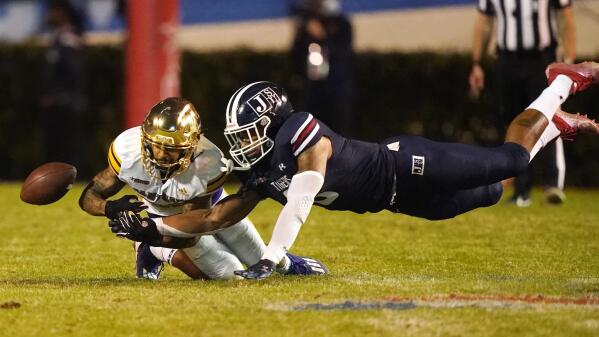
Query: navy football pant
pixel 441 180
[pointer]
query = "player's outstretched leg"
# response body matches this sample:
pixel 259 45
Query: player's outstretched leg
pixel 583 74
pixel 532 129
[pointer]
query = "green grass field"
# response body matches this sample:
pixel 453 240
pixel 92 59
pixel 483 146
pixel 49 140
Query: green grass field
pixel 71 277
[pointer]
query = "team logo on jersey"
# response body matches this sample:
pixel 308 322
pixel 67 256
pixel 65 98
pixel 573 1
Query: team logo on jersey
pixel 418 165
pixel 282 183
pixel 393 146
pixel 264 101
pixel 282 166
pixel 183 191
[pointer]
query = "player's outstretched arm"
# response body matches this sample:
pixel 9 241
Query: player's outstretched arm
pixel 225 213
pixel 160 231
pixel 304 187
pixel 104 185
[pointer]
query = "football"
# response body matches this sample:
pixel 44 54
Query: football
pixel 48 183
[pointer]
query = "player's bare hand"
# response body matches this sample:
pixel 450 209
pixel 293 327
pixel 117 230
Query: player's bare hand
pixel 476 80
pixel 261 270
pixel 125 203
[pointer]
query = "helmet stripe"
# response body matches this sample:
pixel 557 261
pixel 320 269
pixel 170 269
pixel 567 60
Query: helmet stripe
pixel 235 105
pixel 230 113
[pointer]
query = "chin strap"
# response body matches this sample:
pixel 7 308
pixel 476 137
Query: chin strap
pixel 300 196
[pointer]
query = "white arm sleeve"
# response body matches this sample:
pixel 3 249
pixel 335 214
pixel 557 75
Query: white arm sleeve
pixel 300 197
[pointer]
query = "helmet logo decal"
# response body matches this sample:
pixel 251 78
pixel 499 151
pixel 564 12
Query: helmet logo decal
pixel 164 139
pixel 264 101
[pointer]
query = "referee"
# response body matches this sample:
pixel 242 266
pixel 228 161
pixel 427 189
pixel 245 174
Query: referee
pixel 526 40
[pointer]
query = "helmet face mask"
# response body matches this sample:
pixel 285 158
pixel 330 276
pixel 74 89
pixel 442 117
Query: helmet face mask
pixel 163 156
pixel 254 114
pixel 170 133
pixel 249 143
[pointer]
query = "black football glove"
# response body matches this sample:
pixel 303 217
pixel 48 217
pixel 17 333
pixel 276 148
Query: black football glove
pixel 258 271
pixel 133 227
pixel 125 203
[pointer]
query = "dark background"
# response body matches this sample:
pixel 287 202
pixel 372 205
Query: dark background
pixel 395 93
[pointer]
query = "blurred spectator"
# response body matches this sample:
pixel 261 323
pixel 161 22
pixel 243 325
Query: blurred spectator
pixel 322 55
pixel 63 81
pixel 527 42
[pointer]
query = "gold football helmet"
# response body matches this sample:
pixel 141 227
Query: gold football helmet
pixel 169 135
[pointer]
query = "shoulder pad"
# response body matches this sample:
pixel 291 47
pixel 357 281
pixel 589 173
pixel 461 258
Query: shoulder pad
pixel 207 160
pixel 124 147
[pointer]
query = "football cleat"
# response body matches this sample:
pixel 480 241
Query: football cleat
pixel 570 125
pixel 521 201
pixel 305 266
pixel 259 271
pixel 582 74
pixel 555 196
pixel 146 264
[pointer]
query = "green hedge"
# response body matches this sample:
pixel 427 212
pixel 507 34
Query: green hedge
pixel 395 93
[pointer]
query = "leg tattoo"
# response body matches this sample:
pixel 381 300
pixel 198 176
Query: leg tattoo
pixel 526 128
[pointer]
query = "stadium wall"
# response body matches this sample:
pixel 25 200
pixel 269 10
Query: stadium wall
pixel 427 27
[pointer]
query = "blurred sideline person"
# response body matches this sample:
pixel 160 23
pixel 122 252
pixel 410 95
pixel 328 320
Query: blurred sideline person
pixel 63 85
pixel 298 161
pixel 322 56
pixel 527 42
pixel 175 169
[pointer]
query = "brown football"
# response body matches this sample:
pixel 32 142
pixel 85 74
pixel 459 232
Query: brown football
pixel 48 183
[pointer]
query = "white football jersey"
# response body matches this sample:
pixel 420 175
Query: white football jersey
pixel 202 178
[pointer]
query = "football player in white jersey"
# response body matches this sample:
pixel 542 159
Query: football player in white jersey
pixel 175 169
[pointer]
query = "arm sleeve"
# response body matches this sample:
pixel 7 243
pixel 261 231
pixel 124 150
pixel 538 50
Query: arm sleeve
pixel 300 196
pixel 485 7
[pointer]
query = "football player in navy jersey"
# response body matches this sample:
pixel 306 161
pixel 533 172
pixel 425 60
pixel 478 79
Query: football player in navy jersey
pixel 298 161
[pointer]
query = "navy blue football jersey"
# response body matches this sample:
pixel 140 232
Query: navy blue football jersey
pixel 359 175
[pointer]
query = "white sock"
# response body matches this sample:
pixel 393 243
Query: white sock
pixel 163 254
pixel 550 133
pixel 553 96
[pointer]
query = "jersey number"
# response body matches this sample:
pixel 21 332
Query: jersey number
pixel 326 198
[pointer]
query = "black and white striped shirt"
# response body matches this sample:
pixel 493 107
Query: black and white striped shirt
pixel 524 25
